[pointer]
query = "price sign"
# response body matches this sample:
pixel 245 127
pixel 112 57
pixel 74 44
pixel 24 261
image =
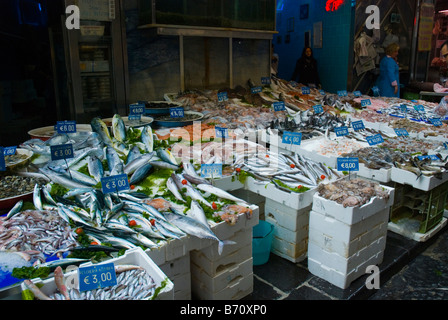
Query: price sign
pixel 222 96
pixel 115 183
pixel 265 80
pixel 306 90
pixel 2 160
pixel 433 157
pixel 256 89
pixel 211 170
pixel 318 108
pixel 97 276
pixel 375 139
pixel 348 164
pixel 177 112
pixel 292 137
pixel 279 106
pixel 293 83
pixel 436 122
pixel 134 117
pixel 401 132
pixel 357 93
pixel 221 132
pixel 66 126
pixel 341 131
pixel 137 109
pixel 403 108
pixel 342 93
pixel 9 151
pixel 419 108
pixel 358 125
pixel 322 92
pixel 365 102
pixel 376 91
pixel 62 151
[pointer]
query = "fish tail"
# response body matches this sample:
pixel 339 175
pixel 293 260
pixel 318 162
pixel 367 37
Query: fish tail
pixel 222 243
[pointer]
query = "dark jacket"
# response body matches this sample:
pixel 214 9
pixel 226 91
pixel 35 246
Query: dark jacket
pixel 305 71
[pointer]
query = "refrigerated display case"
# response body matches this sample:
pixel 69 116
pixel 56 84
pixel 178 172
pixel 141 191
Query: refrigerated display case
pixel 96 56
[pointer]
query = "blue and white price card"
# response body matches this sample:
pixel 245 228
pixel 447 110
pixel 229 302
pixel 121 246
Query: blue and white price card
pixel 134 117
pixel 137 109
pixel 358 125
pixel 436 122
pixel 177 112
pixel 403 108
pixel 419 108
pixel 342 93
pixel 211 170
pixel 115 183
pixel 265 80
pixel 375 139
pixel 401 132
pixel 9 151
pixel 292 137
pixel 221 132
pixel 66 126
pixel 306 90
pixel 445 145
pixel 341 131
pixel 62 151
pixel 376 91
pixel 222 96
pixel 293 83
pixel 365 102
pixel 2 160
pixel 279 106
pixel 256 89
pixel 348 164
pixel 97 276
pixel 357 93
pixel 433 157
pixel 318 108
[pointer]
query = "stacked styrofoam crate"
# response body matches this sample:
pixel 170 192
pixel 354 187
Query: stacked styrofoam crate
pixel 344 241
pixel 178 271
pixel 290 240
pixel 229 275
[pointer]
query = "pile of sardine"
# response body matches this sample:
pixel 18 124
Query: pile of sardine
pixel 292 170
pixel 133 283
pixel 352 193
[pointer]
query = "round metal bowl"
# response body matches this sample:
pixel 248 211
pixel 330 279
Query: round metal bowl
pixel 22 161
pixel 45 133
pixel 157 108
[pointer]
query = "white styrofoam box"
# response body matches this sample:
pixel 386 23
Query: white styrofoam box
pixel 416 236
pixel 284 216
pixel 335 236
pixel 234 283
pixel 293 200
pixel 352 215
pixel 342 264
pixel 182 286
pixel 424 183
pixel 158 254
pixel 340 279
pixel 134 256
pixel 248 196
pixel 228 183
pixel 288 235
pixel 380 175
pixel 275 141
pixel 292 251
pixel 178 271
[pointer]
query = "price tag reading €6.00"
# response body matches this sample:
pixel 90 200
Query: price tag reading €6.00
pixel 2 160
pixel 292 137
pixel 62 151
pixel 97 276
pixel 222 96
pixel 341 131
pixel 115 183
pixel 66 126
pixel 177 112
pixel 358 125
pixel 375 139
pixel 348 164
pixel 211 170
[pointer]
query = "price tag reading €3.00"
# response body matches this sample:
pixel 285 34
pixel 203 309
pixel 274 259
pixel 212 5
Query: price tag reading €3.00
pixel 62 151
pixel 115 183
pixel 348 164
pixel 211 170
pixel 97 276
pixel 292 137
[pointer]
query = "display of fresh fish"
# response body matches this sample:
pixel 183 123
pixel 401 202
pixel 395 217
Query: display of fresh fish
pixel 118 128
pixel 95 168
pixel 219 192
pixel 14 210
pixel 101 129
pixel 148 138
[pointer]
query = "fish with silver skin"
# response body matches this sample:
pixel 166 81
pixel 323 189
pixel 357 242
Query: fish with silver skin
pixel 118 128
pixel 101 129
pixel 147 138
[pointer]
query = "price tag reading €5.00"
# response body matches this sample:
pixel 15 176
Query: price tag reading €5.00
pixel 211 170
pixel 358 125
pixel 292 137
pixel 177 112
pixel 115 183
pixel 348 164
pixel 66 126
pixel 97 276
pixel 375 139
pixel 62 151
pixel 2 160
pixel 341 131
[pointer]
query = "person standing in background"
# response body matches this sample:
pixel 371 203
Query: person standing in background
pixel 305 71
pixel 274 62
pixel 388 81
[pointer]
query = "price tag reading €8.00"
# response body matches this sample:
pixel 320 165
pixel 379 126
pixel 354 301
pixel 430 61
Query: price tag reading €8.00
pixel 348 164
pixel 115 183
pixel 137 109
pixel 97 276
pixel 292 137
pixel 211 170
pixel 66 126
pixel 62 151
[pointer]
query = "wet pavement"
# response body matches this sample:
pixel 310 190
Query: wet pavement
pixel 410 270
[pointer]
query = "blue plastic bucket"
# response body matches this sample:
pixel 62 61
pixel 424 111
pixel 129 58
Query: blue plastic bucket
pixel 262 235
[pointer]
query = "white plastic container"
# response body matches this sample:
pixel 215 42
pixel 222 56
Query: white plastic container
pixel 379 175
pixel 424 183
